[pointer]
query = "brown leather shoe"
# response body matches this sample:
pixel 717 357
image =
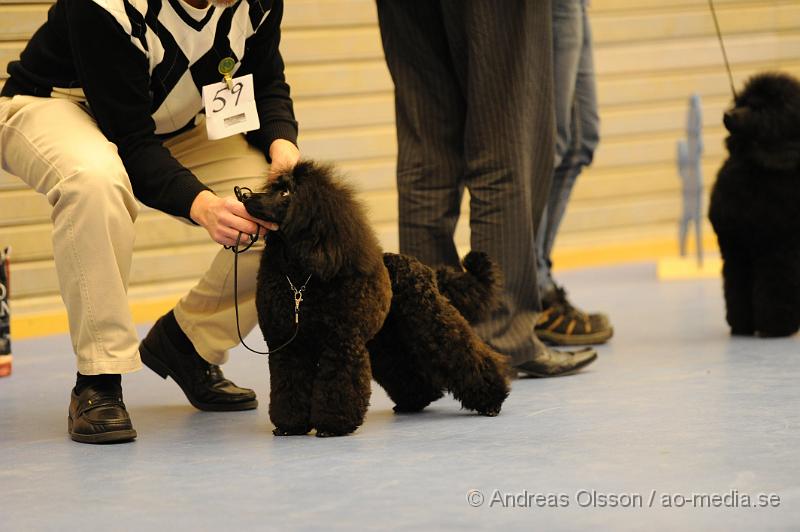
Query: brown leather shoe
pixel 98 415
pixel 554 363
pixel 203 384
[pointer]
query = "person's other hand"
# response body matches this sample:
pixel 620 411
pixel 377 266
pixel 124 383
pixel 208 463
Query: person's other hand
pixel 224 218
pixel 284 155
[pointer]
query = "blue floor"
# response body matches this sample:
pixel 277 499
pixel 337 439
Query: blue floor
pixel 673 407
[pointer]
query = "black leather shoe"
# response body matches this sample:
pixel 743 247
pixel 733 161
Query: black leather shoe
pixel 553 363
pixel 98 415
pixel 204 384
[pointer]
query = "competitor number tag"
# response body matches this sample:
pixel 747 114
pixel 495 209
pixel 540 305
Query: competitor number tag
pixel 230 108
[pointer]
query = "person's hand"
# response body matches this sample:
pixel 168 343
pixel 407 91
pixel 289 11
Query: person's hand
pixel 284 155
pixel 224 218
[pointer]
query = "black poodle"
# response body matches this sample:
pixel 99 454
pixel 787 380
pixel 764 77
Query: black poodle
pixel 324 278
pixel 754 208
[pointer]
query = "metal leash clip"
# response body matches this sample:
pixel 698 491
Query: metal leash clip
pixel 298 297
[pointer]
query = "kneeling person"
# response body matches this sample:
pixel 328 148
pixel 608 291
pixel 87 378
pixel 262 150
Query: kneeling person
pixel 101 111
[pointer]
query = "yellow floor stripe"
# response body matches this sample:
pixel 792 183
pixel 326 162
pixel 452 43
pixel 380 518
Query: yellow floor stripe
pixel 604 254
pixel 679 268
pixel 55 321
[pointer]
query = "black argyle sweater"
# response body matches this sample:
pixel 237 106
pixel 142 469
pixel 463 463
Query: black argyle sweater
pixel 140 65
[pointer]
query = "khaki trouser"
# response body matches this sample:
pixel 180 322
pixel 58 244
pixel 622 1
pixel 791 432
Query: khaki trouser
pixel 55 146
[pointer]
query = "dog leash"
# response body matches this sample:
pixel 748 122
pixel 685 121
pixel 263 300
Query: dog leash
pixel 298 292
pixel 722 46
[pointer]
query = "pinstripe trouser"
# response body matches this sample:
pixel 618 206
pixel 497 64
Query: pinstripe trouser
pixel 474 106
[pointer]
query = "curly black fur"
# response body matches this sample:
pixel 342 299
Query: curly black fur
pixel 321 380
pixel 426 347
pixel 754 207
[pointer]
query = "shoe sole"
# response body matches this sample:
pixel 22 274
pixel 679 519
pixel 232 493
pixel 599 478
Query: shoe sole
pixel 114 436
pixel 570 372
pixel 555 338
pixel 163 371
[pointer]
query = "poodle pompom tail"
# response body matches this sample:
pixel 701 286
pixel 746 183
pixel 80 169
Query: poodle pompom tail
pixel 482 269
pixel 474 292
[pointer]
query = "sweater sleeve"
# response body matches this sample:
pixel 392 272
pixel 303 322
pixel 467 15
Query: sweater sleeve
pixel 115 78
pixel 262 58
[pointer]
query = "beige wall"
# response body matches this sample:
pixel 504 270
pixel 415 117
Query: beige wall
pixel 650 55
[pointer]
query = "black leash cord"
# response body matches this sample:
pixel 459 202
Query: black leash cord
pixel 722 46
pixel 242 193
pixel 236 252
pixel 298 296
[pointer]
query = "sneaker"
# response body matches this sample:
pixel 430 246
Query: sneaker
pixel 561 323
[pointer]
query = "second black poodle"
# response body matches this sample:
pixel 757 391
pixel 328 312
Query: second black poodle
pixel 754 208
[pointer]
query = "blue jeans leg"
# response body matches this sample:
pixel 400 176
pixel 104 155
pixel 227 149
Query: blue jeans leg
pixel 577 121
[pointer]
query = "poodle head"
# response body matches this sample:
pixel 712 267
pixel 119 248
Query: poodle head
pixel 322 222
pixel 764 123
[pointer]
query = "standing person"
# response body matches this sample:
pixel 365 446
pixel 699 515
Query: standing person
pixel 101 111
pixel 473 98
pixel 577 135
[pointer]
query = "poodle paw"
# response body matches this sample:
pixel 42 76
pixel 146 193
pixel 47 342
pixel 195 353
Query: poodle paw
pixel 290 432
pixel 490 412
pixel 330 434
pixel 408 409
pixel 742 331
pixel 776 332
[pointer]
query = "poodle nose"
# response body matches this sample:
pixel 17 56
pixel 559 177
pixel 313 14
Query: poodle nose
pixel 733 118
pixel 727 119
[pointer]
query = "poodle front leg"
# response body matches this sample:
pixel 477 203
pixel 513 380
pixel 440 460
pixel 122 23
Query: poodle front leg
pixel 737 273
pixel 342 389
pixel 291 381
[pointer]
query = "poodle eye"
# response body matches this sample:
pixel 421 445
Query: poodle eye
pixel 285 193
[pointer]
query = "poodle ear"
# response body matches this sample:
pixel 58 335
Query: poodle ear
pixel 328 228
pixel 324 259
pixel 341 236
pixel 317 220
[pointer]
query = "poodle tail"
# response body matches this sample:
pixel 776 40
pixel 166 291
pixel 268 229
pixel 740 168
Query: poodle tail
pixel 473 291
